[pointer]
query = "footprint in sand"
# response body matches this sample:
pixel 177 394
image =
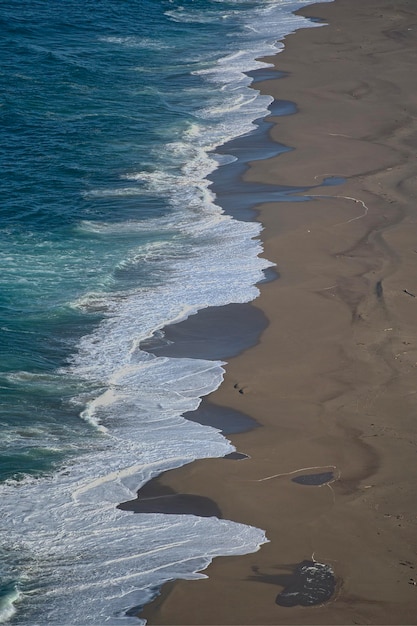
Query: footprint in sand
pixel 240 389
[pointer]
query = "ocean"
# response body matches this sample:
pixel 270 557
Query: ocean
pixel 113 115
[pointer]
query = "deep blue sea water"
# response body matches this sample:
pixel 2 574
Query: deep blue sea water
pixel 111 113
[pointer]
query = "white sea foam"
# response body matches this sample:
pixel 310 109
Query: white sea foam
pixel 66 521
pixel 105 193
pixel 7 605
pixel 195 17
pixel 137 42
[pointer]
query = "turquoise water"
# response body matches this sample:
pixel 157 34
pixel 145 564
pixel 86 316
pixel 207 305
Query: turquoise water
pixel 111 113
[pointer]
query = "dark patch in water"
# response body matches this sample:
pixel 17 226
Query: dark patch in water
pixel 134 611
pixel 236 456
pixel 332 181
pixel 227 420
pixel 379 290
pixel 212 333
pixel 314 479
pixel 279 108
pixel 316 20
pixel 270 274
pixel 155 497
pixel 177 504
pixel 153 593
pixel 265 73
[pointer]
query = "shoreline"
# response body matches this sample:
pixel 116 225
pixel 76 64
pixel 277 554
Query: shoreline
pixel 331 380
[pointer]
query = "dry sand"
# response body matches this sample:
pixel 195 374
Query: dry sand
pixel 333 380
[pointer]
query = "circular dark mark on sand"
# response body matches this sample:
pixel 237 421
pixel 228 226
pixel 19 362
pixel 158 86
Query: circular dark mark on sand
pixel 311 583
pixel 314 479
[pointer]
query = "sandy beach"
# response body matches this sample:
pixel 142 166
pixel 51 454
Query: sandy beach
pixel 331 381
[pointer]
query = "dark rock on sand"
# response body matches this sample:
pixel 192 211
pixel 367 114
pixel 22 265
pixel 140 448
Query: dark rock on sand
pixel 311 583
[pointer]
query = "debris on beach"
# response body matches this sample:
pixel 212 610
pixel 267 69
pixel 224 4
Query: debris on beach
pixel 311 583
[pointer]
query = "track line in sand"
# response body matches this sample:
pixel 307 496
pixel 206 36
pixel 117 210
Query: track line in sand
pixel 304 469
pixel 356 200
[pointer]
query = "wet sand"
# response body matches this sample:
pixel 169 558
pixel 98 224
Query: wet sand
pixel 214 333
pixel 332 380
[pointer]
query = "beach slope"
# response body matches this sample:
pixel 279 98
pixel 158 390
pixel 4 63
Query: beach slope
pixel 332 382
